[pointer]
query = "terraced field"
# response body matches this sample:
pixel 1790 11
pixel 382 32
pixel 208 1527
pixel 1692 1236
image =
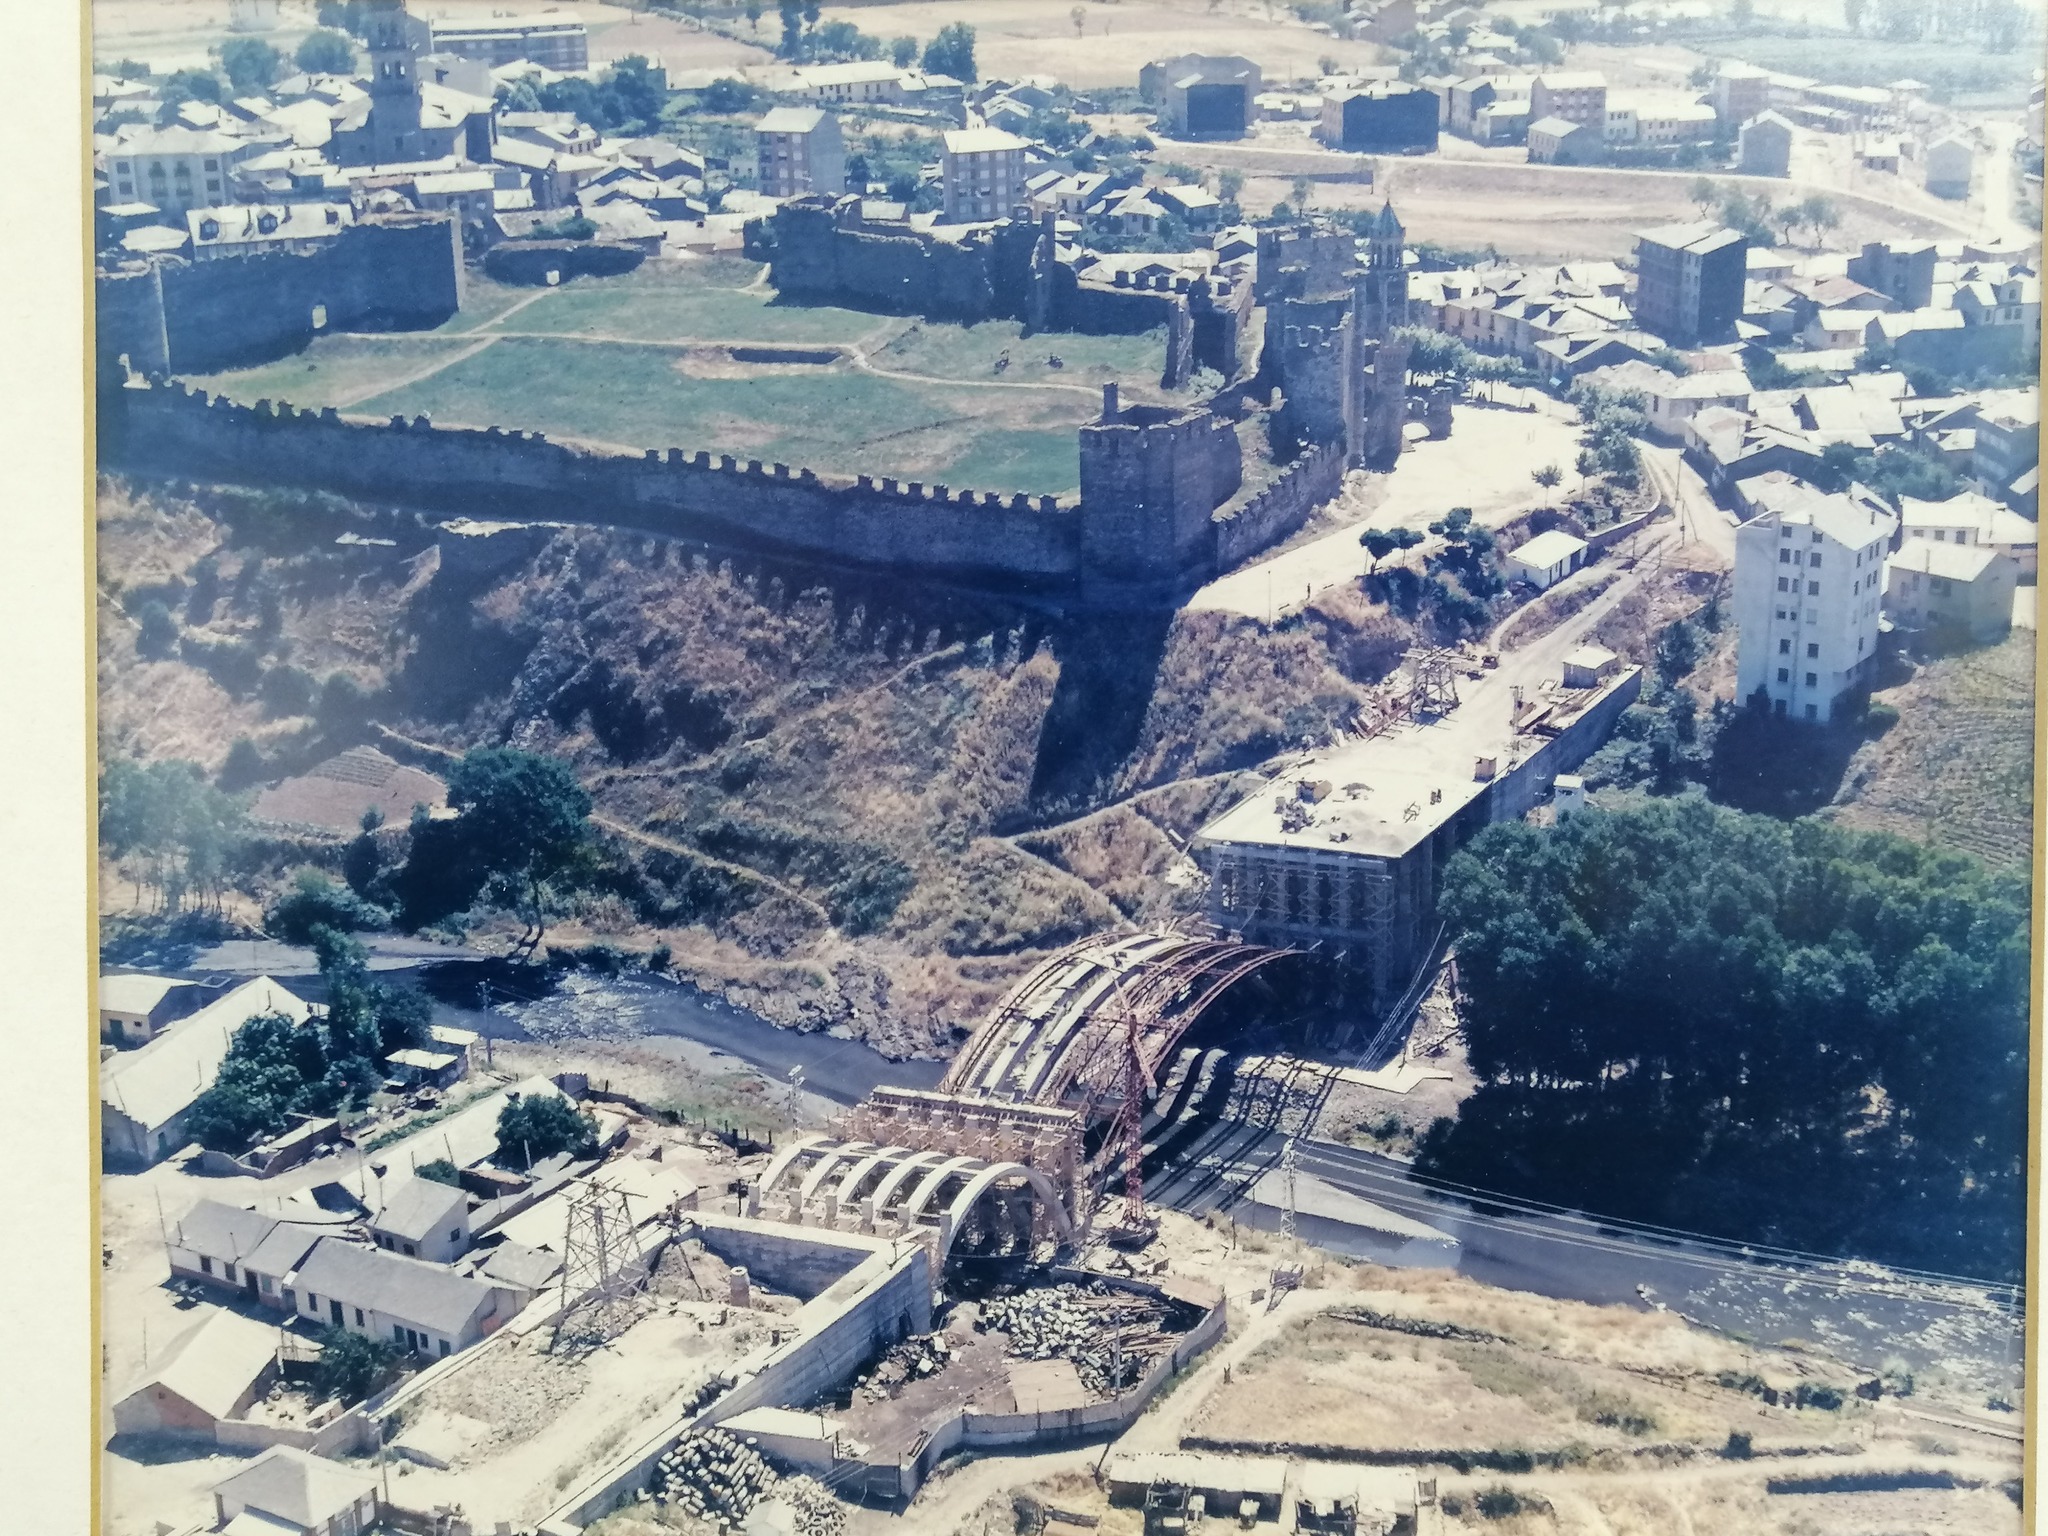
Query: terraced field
pixel 1958 767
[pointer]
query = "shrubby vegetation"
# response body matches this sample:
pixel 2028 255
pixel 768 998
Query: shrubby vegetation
pixel 276 1069
pixel 534 1128
pixel 1786 1033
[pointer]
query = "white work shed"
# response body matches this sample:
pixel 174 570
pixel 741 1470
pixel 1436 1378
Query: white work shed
pixel 1546 559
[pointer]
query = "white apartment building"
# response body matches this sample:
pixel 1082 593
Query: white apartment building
pixel 172 169
pixel 1809 585
pixel 983 173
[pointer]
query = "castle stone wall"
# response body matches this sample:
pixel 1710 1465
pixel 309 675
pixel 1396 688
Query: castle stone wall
pixel 1017 540
pixel 395 272
pixel 1150 477
pixel 1275 512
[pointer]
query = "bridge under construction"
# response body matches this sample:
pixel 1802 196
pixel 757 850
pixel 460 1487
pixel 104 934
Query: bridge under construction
pixel 1044 1097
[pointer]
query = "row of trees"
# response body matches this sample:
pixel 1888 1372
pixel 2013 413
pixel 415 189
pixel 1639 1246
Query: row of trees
pixel 1793 1033
pixel 177 833
pixel 1758 217
pixel 809 39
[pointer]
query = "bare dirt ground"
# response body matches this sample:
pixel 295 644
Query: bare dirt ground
pixel 1560 213
pixel 1636 1406
pixel 1038 37
pixel 1484 464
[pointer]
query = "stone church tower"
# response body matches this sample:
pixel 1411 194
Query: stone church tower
pixel 1383 286
pixel 394 41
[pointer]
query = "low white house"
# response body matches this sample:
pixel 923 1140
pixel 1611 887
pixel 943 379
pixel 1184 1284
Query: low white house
pixel 1546 559
pixel 425 1309
pixel 422 1219
pixel 135 1009
pixel 146 1094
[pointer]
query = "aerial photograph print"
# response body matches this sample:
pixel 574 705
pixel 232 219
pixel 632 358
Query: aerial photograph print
pixel 1207 764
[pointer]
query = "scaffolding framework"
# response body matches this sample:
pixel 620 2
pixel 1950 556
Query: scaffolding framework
pixel 1434 691
pixel 603 1270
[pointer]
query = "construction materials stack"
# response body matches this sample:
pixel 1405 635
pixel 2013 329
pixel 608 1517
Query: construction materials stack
pixel 714 1479
pixel 1112 1336
pixel 711 1476
pixel 924 1354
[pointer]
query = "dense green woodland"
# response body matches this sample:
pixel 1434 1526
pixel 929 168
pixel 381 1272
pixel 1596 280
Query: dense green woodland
pixel 1770 1031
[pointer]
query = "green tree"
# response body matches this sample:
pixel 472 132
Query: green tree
pixel 903 52
pixel 535 1127
pixel 951 52
pixel 439 1171
pixel 1704 194
pixel 351 1366
pixel 1548 476
pixel 1786 1032
pixel 325 53
pixel 191 85
pixel 1382 542
pixel 250 64
pixel 522 830
pixel 1229 183
pixel 316 901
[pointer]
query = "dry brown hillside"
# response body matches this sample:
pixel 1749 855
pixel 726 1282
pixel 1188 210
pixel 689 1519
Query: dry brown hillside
pixel 841 799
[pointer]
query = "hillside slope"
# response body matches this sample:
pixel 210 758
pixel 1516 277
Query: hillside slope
pixel 842 800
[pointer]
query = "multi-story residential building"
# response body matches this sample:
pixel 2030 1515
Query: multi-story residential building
pixel 1809 587
pixel 1383 116
pixel 1972 520
pixel 173 169
pixel 1576 95
pixel 2008 440
pixel 800 150
pixel 550 41
pixel 982 174
pixel 1740 91
pixel 1945 594
pixel 1689 282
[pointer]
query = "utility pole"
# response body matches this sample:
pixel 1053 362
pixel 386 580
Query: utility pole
pixel 1290 1164
pixel 796 1088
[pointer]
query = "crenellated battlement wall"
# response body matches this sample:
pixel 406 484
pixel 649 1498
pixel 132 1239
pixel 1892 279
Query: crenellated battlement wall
pixel 389 272
pixel 907 525
pixel 1242 530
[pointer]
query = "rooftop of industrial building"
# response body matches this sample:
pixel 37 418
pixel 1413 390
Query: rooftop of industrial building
pixel 1382 795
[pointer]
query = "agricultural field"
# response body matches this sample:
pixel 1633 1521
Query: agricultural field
pixel 647 360
pixel 1958 766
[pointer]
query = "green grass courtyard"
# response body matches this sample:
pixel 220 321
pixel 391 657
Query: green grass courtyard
pixel 642 361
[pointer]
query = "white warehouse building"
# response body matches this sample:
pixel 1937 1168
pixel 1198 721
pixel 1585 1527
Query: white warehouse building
pixel 1809 585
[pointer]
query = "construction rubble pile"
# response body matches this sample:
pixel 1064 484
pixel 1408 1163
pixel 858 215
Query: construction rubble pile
pixel 1112 1336
pixel 923 1354
pixel 712 1477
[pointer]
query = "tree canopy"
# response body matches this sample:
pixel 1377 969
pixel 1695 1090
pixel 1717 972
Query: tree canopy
pixel 522 831
pixel 275 1069
pixel 534 1128
pixel 177 832
pixel 951 52
pixel 326 53
pixel 1792 1033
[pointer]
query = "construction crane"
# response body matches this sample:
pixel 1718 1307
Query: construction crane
pixel 1135 1225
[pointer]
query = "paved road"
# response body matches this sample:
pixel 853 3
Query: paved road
pixel 1859 1312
